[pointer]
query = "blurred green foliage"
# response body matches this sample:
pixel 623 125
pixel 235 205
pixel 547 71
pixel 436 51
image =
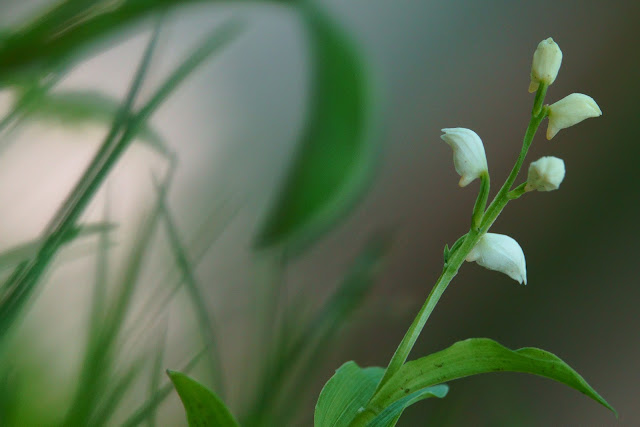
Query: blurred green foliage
pixel 333 166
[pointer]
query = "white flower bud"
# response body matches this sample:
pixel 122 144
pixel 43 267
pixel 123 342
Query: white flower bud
pixel 468 153
pixel 569 111
pixel 545 174
pixel 546 63
pixel 500 253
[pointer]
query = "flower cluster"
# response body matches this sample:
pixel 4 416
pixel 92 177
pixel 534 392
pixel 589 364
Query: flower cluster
pixel 496 251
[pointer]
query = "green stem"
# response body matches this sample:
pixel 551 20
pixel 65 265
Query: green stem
pixel 517 192
pixel 502 198
pixel 539 99
pixel 403 350
pixel 457 258
pixel 481 201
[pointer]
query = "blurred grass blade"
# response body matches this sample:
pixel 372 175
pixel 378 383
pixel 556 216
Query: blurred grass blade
pixel 26 98
pixel 68 31
pixel 60 34
pixel 21 284
pixel 206 323
pixel 107 403
pixel 348 390
pixel 147 409
pixel 207 234
pixel 12 257
pixel 202 406
pixel 220 37
pixel 23 281
pixel 101 353
pixel 73 108
pixel 313 342
pixel 156 370
pixel 389 417
pixel 99 297
pixel 336 152
pixel 472 357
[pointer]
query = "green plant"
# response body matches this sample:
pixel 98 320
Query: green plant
pixel 336 154
pixel 376 396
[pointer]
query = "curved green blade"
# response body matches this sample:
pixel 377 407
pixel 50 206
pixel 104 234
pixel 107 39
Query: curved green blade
pixel 389 417
pixel 471 357
pixel 336 152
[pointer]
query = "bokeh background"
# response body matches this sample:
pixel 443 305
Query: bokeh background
pixel 435 65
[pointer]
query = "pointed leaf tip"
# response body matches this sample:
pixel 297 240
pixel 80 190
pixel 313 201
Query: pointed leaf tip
pixel 201 405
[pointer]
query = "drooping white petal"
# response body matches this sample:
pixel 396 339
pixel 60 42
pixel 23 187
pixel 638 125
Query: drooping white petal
pixel 500 253
pixel 569 111
pixel 545 174
pixel 469 158
pixel 546 63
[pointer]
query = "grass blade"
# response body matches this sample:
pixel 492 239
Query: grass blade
pixel 101 354
pixel 314 340
pixel 154 384
pixel 13 256
pixel 72 108
pixel 22 283
pixel 107 404
pixel 205 320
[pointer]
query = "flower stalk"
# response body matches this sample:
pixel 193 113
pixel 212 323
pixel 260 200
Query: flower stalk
pixel 481 201
pixel 481 222
pixel 492 250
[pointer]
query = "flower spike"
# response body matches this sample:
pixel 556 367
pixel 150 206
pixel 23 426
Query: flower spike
pixel 469 158
pixel 500 253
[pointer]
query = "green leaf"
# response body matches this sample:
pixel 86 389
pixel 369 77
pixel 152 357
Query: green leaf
pixel 202 406
pixel 389 417
pixel 472 357
pixel 336 153
pixel 71 30
pixel 73 108
pixel 348 390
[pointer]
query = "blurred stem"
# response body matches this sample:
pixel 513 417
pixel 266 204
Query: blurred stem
pixel 457 258
pixel 206 323
pixel 271 331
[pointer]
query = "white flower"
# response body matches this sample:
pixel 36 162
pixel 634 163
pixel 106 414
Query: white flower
pixel 468 153
pixel 546 63
pixel 500 253
pixel 545 174
pixel 569 111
